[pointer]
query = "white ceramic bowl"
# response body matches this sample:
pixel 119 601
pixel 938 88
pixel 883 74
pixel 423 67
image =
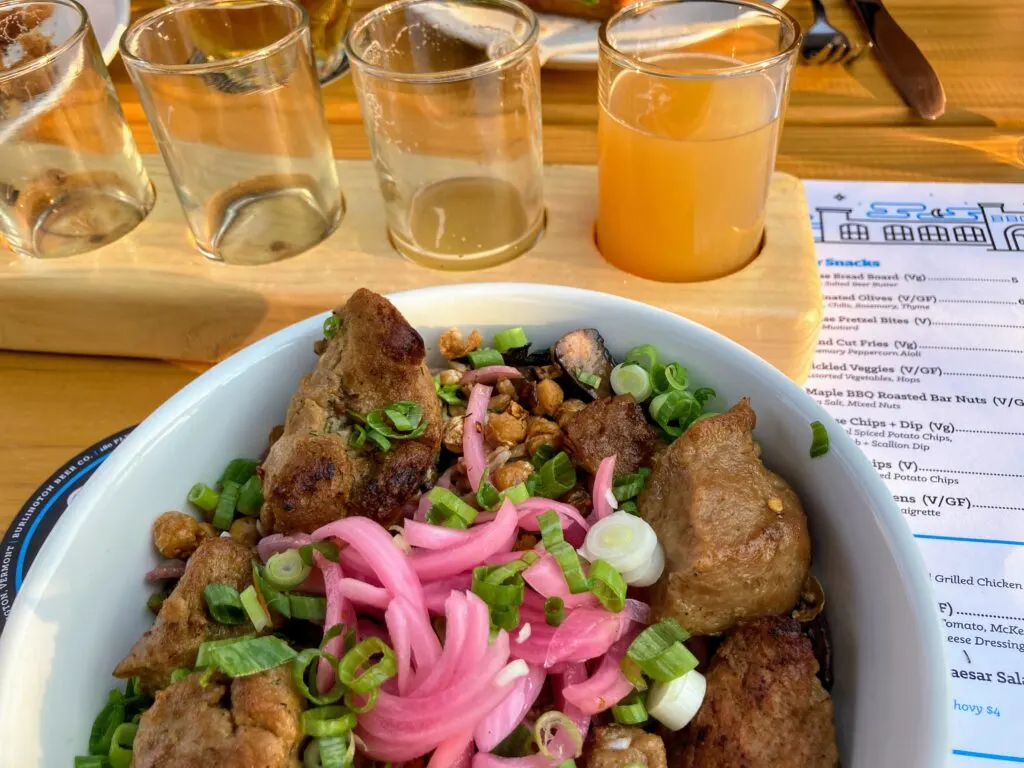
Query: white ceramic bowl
pixel 83 603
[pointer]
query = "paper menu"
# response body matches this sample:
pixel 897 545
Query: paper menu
pixel 921 358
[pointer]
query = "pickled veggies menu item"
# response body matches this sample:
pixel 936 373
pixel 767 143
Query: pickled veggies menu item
pixel 921 359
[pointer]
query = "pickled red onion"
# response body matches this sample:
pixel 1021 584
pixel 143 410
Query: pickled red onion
pixel 490 374
pixel 602 690
pixel 277 542
pixel 585 634
pixel 398 629
pixel 484 760
pixel 453 753
pixel 473 434
pixel 573 674
pixel 487 539
pixel 427 536
pixel 424 504
pixel 602 486
pixel 546 577
pixel 529 509
pixel 174 569
pixel 338 611
pixel 436 593
pixel 503 719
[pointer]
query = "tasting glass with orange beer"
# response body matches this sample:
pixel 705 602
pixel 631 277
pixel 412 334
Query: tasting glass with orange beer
pixel 692 94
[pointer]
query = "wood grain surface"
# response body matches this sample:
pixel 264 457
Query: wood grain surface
pixel 841 123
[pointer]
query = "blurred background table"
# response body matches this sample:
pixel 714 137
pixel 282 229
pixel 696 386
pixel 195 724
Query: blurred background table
pixel 841 123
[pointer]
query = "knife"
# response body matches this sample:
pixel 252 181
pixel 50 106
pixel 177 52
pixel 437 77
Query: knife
pixel 902 60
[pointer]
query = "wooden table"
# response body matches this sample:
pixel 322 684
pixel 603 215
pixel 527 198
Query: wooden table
pixel 840 124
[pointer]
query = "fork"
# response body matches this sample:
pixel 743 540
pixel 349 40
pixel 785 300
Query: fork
pixel 824 44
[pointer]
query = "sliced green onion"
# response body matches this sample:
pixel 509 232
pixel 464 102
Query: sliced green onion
pixel 543 455
pixel 504 593
pixel 361 707
pixel 629 487
pixel 274 600
pixel 487 495
pixel 249 657
pixel 703 394
pixel 155 601
pixel 449 393
pixel 250 497
pixel 238 471
pixel 204 658
pixel 660 653
pixel 449 505
pixel 104 726
pixel 819 439
pixel 120 754
pixel 331 326
pixel 675 377
pixel 372 676
pixel 510 338
pixel 482 358
pixel 180 674
pixel 375 437
pixel 631 379
pixel 569 764
pixel 557 477
pixel 254 608
pixel 225 511
pixel 336 751
pixel 204 497
pixel 505 618
pixel 550 525
pixel 357 437
pixel 705 415
pixel 456 522
pixel 632 672
pixel 517 744
pixel 224 604
pixel 133 687
pixel 326 548
pixel 646 356
pixel 588 378
pixel 517 494
pixel 674 411
pixel 332 720
pixel 629 506
pixel 608 585
pixel 554 611
pixel 286 570
pixel 569 562
pixel 630 711
pixel 91 761
pixel 308 607
pixel 402 420
pixel 303 662
pixel 545 727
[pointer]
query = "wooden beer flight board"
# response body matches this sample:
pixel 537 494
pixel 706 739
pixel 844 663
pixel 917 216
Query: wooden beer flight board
pixel 151 294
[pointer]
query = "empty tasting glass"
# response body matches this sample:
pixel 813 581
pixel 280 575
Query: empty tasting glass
pixel 70 176
pixel 231 91
pixel 450 95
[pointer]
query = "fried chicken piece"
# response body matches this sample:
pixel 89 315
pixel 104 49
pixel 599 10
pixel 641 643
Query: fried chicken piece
pixel 735 534
pixel 613 426
pixel 311 476
pixel 184 623
pixel 248 722
pixel 621 746
pixel 764 706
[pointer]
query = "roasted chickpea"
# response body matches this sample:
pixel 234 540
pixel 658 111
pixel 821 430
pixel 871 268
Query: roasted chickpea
pixel 176 535
pixel 456 410
pixel 541 431
pixel 517 411
pixel 453 434
pixel 449 376
pixel 513 473
pixel 569 409
pixel 453 344
pixel 244 530
pixel 506 387
pixel 499 403
pixel 503 429
pixel 549 398
pixel 552 371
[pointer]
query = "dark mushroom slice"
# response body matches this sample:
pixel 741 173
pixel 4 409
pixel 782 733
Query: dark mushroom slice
pixel 584 357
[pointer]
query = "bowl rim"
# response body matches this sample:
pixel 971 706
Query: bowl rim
pixel 889 518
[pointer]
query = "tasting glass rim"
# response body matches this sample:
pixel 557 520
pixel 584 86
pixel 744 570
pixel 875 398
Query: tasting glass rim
pixel 471 72
pixel 628 61
pixel 211 67
pixel 49 57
